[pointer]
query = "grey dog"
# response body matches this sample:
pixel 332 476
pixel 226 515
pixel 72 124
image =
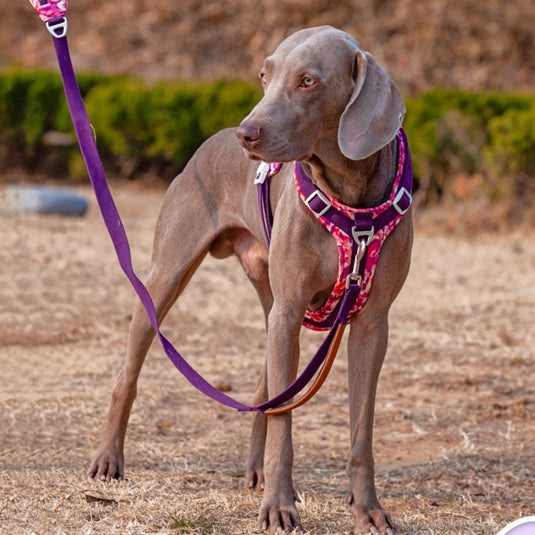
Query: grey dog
pixel 330 106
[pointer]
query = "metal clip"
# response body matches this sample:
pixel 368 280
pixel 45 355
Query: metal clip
pixel 355 276
pixel 359 235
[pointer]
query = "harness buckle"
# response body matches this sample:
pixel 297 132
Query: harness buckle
pixel 354 278
pixel 402 201
pixel 321 207
pixel 365 236
pixel 57 27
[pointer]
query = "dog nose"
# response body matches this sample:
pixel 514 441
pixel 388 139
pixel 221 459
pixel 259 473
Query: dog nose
pixel 249 134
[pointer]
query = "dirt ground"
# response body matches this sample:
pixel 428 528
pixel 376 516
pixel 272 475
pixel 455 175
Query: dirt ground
pixel 455 426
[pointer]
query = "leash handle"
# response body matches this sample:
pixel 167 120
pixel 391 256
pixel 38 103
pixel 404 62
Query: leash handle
pixel 53 14
pixel 50 9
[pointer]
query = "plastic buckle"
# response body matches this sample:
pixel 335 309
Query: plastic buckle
pixel 402 193
pixel 261 173
pixel 57 27
pixel 326 202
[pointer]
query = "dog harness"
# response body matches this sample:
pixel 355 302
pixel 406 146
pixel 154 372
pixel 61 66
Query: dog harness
pixel 349 227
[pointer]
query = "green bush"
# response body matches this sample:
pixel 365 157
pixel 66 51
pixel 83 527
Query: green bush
pixel 137 127
pixel 142 127
pixel 452 132
pixel 31 104
pixel 160 127
pixel 511 152
pixel 512 142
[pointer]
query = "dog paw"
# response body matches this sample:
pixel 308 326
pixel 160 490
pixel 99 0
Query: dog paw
pixel 254 479
pixel 279 514
pixel 368 520
pixel 106 466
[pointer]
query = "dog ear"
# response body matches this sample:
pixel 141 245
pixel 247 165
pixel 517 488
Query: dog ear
pixel 374 112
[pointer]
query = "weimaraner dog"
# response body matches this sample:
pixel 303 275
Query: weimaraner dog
pixel 328 105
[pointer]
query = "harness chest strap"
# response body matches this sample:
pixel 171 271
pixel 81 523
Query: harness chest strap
pixel 350 225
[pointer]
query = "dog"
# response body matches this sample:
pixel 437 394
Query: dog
pixel 328 105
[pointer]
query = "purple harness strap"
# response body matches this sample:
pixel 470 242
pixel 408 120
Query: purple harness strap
pixel 52 13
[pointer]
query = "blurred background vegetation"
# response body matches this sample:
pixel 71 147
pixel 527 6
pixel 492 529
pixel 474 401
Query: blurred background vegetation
pixel 171 75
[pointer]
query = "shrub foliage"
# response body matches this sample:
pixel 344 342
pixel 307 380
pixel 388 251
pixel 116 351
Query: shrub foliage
pixel 157 128
pixel 138 127
pixel 487 134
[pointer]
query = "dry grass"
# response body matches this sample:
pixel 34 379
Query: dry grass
pixel 455 410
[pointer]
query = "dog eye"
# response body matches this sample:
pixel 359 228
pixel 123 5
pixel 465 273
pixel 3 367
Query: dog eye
pixel 263 77
pixel 307 82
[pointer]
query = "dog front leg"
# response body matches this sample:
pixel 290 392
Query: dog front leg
pixel 164 286
pixel 108 462
pixel 278 510
pixel 366 351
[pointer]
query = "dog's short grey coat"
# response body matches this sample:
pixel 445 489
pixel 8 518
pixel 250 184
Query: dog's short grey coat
pixel 328 104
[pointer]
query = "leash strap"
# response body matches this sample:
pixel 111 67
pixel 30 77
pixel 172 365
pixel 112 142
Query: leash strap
pixel 52 12
pixel 264 173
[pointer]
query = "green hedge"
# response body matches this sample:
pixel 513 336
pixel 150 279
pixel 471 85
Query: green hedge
pixel 32 104
pixel 138 127
pixel 141 127
pixel 162 126
pixel 487 134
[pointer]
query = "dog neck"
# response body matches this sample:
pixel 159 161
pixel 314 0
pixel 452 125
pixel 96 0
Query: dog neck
pixel 357 183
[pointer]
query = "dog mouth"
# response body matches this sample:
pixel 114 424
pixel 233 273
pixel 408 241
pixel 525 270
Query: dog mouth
pixel 258 145
pixel 251 155
pixel 274 157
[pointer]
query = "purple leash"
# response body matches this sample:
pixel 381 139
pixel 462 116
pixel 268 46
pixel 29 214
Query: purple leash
pixel 114 224
pixel 53 14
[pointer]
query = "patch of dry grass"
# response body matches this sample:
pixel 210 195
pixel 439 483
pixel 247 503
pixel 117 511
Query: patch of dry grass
pixel 455 410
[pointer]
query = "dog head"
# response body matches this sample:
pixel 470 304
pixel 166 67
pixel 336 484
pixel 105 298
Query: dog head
pixel 320 84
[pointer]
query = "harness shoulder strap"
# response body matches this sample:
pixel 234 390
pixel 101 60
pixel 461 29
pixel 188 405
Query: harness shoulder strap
pixel 398 203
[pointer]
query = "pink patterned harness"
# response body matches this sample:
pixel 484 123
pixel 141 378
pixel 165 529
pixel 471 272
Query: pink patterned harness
pixel 349 226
